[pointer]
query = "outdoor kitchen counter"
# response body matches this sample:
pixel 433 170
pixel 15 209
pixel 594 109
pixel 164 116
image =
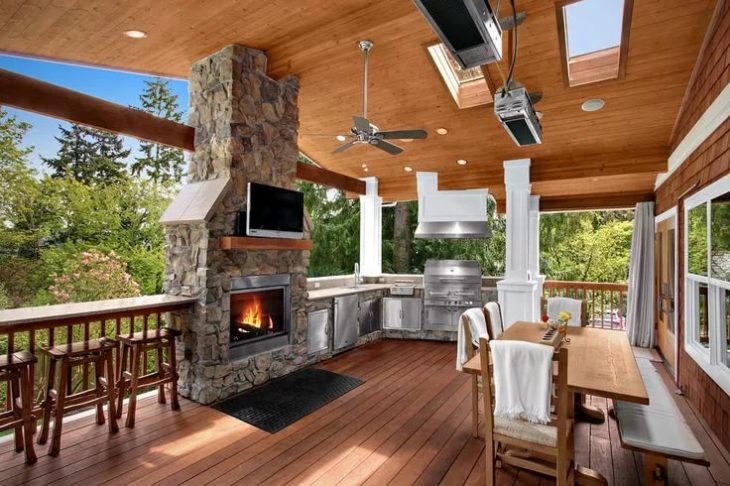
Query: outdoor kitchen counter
pixel 330 293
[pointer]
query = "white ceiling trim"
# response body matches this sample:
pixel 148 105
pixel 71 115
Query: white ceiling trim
pixel 710 120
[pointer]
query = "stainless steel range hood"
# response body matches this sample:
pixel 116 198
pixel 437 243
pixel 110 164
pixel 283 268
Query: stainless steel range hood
pixel 450 214
pixel 453 230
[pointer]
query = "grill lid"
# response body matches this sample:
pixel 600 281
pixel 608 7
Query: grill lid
pixel 453 229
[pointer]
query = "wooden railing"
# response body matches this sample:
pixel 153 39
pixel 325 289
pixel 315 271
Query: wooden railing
pixel 31 328
pixel 604 304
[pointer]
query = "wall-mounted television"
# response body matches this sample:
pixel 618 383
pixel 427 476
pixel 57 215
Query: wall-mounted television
pixel 274 212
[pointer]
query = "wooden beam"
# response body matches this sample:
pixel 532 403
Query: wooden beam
pixel 318 175
pixel 48 99
pixel 594 202
pixel 31 94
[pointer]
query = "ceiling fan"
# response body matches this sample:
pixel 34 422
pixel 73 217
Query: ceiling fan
pixel 364 131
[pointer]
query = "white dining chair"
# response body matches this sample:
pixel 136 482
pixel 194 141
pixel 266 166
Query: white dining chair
pixel 556 305
pixel 493 314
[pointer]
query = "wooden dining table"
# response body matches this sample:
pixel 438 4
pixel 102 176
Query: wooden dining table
pixel 600 362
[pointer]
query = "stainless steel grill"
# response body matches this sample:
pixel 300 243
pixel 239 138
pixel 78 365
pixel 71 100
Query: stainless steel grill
pixel 450 287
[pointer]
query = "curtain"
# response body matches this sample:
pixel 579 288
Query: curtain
pixel 640 312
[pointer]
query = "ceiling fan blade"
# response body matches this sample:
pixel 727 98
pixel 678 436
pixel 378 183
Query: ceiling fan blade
pixel 388 147
pixel 344 147
pixel 361 124
pixel 401 134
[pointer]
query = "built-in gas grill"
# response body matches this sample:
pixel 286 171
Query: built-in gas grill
pixel 450 287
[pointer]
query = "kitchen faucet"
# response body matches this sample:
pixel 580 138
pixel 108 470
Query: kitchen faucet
pixel 357 274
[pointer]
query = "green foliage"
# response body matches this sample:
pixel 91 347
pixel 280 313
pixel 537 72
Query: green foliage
pixel 697 240
pixel 4 297
pixel 720 231
pixel 158 162
pixel 335 229
pixel 92 275
pixel 89 155
pixel 588 246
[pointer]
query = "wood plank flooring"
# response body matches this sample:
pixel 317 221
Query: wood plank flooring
pixel 409 423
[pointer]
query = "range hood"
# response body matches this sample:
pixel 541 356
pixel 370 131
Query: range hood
pixel 450 214
pixel 453 230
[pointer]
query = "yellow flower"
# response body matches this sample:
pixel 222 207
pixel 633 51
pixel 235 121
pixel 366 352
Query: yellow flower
pixel 565 316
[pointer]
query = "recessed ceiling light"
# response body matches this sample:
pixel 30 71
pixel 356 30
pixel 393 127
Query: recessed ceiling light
pixel 407 140
pixel 593 105
pixel 442 131
pixel 341 138
pixel 461 162
pixel 365 169
pixel 135 34
pixel 364 165
pixel 408 168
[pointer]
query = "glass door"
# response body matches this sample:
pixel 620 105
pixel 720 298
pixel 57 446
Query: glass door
pixel 665 287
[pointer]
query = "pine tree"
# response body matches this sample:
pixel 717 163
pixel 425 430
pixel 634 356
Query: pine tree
pixel 89 155
pixel 158 162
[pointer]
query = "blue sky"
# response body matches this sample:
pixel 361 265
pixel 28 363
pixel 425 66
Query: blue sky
pixel 116 86
pixel 593 25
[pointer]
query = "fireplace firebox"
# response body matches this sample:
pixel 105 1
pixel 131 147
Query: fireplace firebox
pixel 260 312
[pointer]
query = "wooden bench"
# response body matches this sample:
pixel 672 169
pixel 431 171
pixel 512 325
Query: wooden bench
pixel 658 429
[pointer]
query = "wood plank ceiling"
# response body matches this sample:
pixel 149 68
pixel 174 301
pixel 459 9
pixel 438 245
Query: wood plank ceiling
pixel 617 150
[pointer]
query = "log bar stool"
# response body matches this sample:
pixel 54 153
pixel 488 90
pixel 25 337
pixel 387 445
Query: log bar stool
pixel 58 401
pixel 15 369
pixel 134 348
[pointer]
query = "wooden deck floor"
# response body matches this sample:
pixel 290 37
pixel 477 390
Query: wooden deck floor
pixel 408 424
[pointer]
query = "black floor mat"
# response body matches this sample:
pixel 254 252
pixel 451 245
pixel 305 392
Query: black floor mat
pixel 280 403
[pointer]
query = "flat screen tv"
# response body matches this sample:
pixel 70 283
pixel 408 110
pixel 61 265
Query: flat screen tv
pixel 274 212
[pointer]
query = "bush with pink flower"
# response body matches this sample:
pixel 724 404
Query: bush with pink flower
pixel 94 275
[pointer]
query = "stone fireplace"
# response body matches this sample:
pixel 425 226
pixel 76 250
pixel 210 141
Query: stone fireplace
pixel 245 130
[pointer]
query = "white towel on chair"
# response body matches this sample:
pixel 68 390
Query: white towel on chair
pixel 478 328
pixel 556 305
pixel 523 379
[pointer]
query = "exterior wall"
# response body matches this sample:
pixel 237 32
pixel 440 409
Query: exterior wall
pixel 709 162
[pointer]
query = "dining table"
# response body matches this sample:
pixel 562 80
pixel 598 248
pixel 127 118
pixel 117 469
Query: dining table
pixel 600 363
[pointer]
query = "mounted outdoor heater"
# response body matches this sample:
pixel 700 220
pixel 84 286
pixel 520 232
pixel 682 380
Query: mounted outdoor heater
pixel 517 115
pixel 469 29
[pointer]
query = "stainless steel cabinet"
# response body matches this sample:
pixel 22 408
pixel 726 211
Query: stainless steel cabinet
pixel 369 316
pixel 439 318
pixel 346 315
pixel 317 331
pixel 402 313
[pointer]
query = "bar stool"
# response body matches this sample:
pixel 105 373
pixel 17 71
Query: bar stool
pixel 58 401
pixel 15 369
pixel 134 347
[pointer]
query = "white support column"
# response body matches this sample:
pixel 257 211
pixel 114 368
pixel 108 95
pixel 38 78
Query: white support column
pixel 517 291
pixel 371 229
pixel 535 251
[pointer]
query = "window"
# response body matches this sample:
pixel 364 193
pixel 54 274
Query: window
pixel 594 39
pixel 707 283
pixel 468 87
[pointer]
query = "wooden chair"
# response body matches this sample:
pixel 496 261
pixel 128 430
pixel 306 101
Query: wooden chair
pixel 134 348
pixel 476 385
pixel 546 449
pixel 581 321
pixel 493 316
pixel 61 400
pixel 16 370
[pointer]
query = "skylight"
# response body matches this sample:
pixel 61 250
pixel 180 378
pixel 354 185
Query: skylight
pixel 592 36
pixel 468 87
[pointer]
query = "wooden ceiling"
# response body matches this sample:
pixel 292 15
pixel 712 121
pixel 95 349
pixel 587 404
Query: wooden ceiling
pixel 615 151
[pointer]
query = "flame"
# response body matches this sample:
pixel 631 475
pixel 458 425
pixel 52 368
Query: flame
pixel 253 313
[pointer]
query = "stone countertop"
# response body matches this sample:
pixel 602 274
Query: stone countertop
pixel 330 293
pixel 26 315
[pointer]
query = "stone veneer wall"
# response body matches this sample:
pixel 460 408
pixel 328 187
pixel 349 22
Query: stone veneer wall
pixel 246 129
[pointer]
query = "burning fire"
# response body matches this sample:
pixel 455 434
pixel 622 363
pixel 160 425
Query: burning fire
pixel 253 315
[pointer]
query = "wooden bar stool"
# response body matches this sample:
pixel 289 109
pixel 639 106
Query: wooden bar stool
pixel 15 369
pixel 134 347
pixel 58 401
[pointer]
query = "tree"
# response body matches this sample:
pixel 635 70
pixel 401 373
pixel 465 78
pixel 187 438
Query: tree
pixel 89 155
pixel 401 238
pixel 158 162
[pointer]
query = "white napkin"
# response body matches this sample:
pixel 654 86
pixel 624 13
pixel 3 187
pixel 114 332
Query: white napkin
pixel 523 378
pixel 478 328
